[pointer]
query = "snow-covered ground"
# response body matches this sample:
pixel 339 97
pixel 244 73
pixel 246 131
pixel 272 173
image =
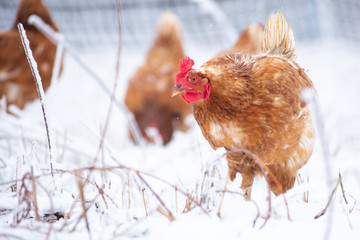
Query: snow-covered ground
pixel 176 177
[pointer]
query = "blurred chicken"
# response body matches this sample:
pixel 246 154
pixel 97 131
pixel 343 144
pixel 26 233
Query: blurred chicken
pixel 252 106
pixel 16 80
pixel 249 40
pixel 148 92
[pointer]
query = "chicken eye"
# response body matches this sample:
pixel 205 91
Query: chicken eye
pixel 193 79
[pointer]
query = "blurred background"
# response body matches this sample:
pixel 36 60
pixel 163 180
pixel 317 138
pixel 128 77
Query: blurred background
pixel 209 22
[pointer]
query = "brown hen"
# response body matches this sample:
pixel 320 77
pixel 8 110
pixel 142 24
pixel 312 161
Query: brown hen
pixel 252 106
pixel 16 80
pixel 148 95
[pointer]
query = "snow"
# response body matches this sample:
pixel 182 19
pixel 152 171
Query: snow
pixel 78 107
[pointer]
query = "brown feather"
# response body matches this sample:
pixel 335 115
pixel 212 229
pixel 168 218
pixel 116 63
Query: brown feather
pixel 16 80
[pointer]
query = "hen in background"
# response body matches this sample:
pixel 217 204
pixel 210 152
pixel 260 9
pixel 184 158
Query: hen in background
pixel 249 40
pixel 16 80
pixel 148 94
pixel 252 106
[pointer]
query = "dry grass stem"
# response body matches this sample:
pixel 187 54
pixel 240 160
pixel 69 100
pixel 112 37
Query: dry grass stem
pixel 342 188
pixel 165 213
pixel 188 203
pixel 176 200
pixel 25 196
pixel 268 216
pixel 37 78
pixel 80 184
pixel 222 197
pixel 329 201
pixel 347 217
pixel 101 192
pixel 33 183
pixel 352 209
pixel 156 195
pixel 143 195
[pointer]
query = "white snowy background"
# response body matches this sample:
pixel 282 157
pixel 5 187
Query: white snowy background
pixel 126 196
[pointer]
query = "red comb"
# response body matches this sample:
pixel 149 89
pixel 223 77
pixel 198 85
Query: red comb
pixel 186 64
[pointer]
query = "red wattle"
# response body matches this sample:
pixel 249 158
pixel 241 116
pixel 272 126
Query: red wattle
pixel 190 97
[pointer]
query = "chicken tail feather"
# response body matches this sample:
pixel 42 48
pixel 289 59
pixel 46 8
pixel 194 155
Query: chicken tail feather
pixel 278 37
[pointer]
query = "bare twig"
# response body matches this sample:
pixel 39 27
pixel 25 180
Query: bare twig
pixel 222 196
pixel 342 188
pixel 82 216
pixel 165 213
pixel 101 192
pixel 347 217
pixel 171 216
pixel 82 198
pixel 189 200
pixel 143 195
pixel 35 72
pixel 328 203
pixel 269 209
pixel 16 174
pixel 63 148
pixel 176 200
pixel 24 197
pixel 352 209
pixel 34 194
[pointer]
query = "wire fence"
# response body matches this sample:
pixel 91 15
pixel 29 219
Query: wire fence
pixel 204 22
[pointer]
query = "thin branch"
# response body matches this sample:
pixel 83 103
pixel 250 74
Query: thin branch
pixel 222 196
pixel 33 183
pixel 143 195
pixel 157 196
pixel 329 201
pixel 82 198
pixel 342 188
pixel 269 209
pixel 101 192
pixel 176 200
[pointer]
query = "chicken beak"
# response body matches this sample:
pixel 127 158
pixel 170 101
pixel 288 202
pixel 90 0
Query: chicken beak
pixel 177 89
